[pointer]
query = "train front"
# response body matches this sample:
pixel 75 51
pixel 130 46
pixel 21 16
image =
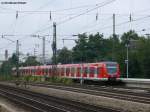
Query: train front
pixel 112 69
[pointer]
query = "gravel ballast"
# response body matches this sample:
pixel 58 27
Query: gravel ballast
pixel 7 106
pixel 124 106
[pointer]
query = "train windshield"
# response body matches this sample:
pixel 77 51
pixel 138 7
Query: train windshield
pixel 111 69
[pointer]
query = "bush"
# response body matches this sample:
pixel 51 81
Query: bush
pixel 55 79
pixel 6 77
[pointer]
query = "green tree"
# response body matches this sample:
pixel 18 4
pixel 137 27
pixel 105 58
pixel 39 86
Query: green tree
pixel 144 56
pixel 7 66
pixel 131 35
pixel 31 61
pixel 79 51
pixel 64 56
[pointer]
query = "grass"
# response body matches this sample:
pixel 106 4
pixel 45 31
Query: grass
pixel 6 78
pixel 55 79
pixel 31 78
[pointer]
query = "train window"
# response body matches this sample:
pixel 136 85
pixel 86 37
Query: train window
pixel 35 70
pixel 46 71
pixel 78 71
pixel 21 71
pixel 32 70
pixel 92 70
pixel 59 71
pixel 29 71
pixel 50 71
pixel 72 71
pixel 85 70
pixel 62 71
pixel 24 71
pixel 67 71
pixel 95 70
pixel 98 70
pixel 111 68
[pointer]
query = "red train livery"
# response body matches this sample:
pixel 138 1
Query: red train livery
pixel 91 71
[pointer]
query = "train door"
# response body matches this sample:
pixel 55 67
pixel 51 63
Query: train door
pixel 32 71
pixel 78 72
pixel 50 71
pixel 59 71
pixel 98 74
pixel 92 72
pixel 62 71
pixel 28 71
pixel 46 71
pixel 67 71
pixel 39 71
pixel 85 71
pixel 72 71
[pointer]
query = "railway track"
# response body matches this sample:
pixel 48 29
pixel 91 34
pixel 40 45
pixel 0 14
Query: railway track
pixel 106 92
pixel 43 103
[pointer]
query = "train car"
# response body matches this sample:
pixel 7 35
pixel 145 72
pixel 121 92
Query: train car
pixel 86 71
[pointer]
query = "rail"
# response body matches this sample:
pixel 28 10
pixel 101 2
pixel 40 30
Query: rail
pixel 44 103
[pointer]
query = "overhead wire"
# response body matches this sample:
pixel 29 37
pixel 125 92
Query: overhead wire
pixel 82 13
pixel 97 6
pixel 87 11
pixel 71 35
pixel 15 21
pixel 62 10
pixel 119 24
pixel 79 15
pixel 95 23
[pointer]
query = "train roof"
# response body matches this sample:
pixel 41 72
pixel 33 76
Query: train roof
pixel 69 65
pixel 110 62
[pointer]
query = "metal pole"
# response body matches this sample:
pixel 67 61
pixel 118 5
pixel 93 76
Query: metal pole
pixel 43 50
pixel 114 32
pixel 54 43
pixel 54 47
pixel 34 52
pixel 6 55
pixel 17 55
pixel 127 60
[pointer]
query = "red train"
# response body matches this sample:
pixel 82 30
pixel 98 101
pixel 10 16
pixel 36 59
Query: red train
pixel 90 71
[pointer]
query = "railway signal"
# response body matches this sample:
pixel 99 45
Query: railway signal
pixel 54 48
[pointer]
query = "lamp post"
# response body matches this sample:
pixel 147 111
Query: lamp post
pixel 129 43
pixel 127 60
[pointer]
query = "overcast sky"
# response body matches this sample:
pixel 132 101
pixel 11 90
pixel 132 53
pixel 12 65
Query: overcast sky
pixel 34 18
